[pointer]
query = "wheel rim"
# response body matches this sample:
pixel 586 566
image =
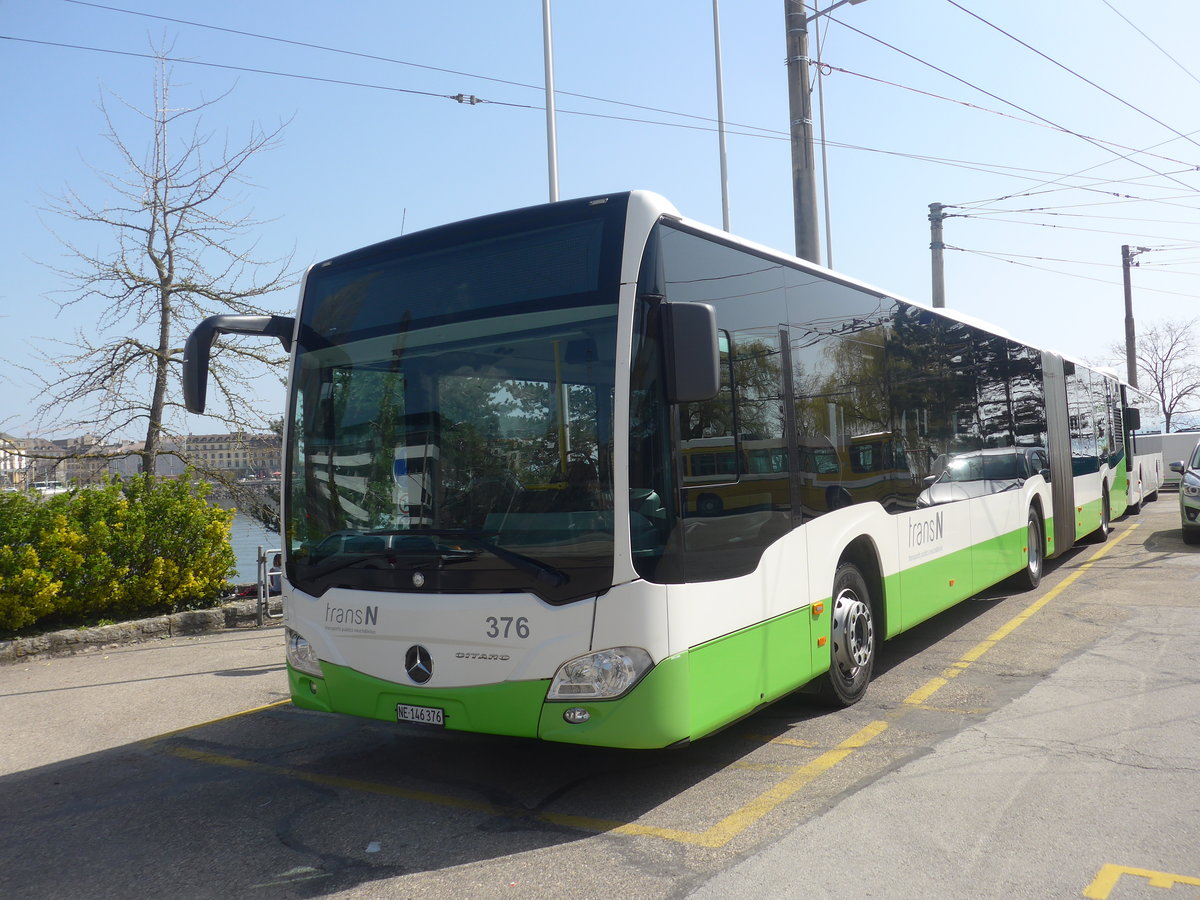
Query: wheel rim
pixel 1035 549
pixel 852 632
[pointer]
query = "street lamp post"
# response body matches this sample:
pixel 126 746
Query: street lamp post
pixel 721 117
pixel 551 125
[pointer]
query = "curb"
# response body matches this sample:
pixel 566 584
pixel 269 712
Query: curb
pixel 75 641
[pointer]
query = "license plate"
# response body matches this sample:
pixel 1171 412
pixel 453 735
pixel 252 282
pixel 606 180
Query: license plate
pixel 421 715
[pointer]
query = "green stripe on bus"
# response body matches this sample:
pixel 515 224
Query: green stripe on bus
pixel 930 588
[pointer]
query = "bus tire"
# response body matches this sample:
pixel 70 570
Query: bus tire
pixel 1035 552
pixel 1100 535
pixel 852 639
pixel 709 505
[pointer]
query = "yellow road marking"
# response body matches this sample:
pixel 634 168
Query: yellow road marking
pixel 236 715
pixel 735 823
pixel 1108 876
pixel 935 684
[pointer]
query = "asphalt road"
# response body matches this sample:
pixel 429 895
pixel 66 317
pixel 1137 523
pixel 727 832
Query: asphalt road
pixel 1021 745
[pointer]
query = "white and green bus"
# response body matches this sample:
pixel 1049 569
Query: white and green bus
pixel 595 473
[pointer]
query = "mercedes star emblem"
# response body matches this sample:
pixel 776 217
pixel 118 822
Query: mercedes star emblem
pixel 418 664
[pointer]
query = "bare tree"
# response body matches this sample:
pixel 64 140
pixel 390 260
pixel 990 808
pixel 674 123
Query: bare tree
pixel 175 252
pixel 1168 365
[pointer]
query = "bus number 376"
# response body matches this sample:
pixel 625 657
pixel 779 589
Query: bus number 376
pixel 507 626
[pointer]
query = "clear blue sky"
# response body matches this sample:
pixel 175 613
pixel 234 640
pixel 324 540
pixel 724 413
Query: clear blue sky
pixel 360 161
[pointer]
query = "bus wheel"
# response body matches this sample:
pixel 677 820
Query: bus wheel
pixel 709 505
pixel 1035 555
pixel 851 637
pixel 1100 535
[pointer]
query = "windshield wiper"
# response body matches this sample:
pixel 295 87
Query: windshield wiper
pixel 543 572
pixel 343 560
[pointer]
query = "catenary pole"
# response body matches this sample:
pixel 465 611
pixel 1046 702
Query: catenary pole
pixel 1127 262
pixel 936 246
pixel 804 173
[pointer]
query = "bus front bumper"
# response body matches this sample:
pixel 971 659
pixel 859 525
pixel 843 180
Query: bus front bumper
pixel 654 714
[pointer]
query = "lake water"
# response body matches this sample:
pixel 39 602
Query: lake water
pixel 247 535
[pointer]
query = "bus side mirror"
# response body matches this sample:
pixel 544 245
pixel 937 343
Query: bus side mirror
pixel 1133 419
pixel 199 346
pixel 693 358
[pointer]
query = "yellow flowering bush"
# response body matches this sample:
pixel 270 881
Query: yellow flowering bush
pixel 120 550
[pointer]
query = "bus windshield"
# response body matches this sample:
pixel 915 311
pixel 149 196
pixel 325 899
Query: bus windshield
pixel 451 417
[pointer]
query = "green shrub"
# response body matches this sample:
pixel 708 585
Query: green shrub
pixel 120 550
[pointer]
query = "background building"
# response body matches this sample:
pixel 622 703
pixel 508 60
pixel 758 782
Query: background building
pixel 29 461
pixel 242 455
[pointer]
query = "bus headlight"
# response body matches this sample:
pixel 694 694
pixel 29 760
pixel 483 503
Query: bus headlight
pixel 302 655
pixel 603 675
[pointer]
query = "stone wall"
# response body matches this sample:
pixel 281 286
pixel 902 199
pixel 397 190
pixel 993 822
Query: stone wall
pixel 103 637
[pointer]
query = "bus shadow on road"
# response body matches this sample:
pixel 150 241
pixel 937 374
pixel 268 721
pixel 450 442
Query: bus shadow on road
pixel 282 798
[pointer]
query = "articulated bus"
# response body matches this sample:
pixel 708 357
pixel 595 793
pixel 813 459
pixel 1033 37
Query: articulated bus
pixel 592 472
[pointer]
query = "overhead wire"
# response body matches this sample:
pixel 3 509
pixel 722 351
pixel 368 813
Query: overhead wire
pixel 995 112
pixel 988 213
pixel 392 60
pixel 1015 172
pixel 1017 106
pixel 1128 22
pixel 1119 199
pixel 755 131
pixel 1125 233
pixel 401 62
pixel 460 97
pixel 227 66
pixel 1077 174
pixel 991 168
pixel 1072 72
pixel 1073 262
pixel 998 257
